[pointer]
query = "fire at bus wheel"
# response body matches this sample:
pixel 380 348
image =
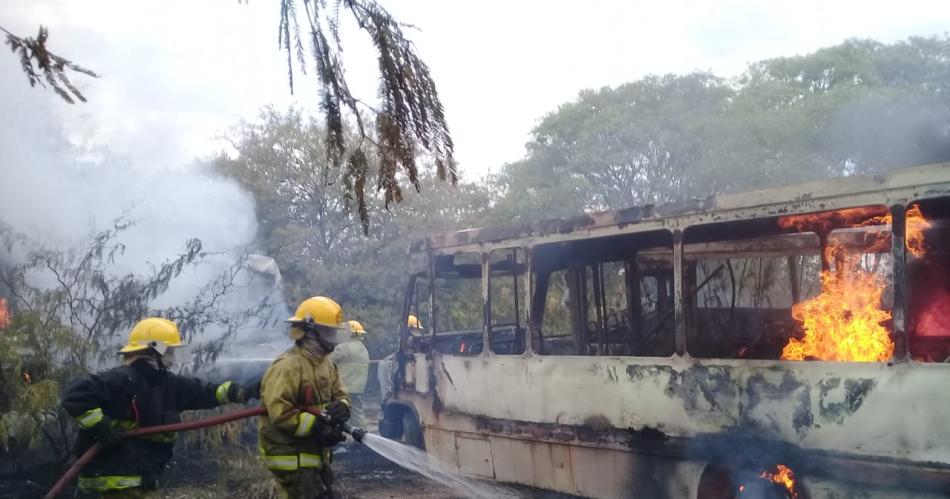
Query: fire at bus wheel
pixel 722 481
pixel 400 422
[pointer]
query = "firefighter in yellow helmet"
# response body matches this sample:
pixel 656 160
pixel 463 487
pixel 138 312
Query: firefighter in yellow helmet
pixel 352 361
pixel 140 393
pixel 295 446
pixel 417 340
pixel 415 326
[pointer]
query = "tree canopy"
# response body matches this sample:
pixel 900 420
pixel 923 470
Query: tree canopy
pixel 858 107
pixel 408 121
pixel 304 225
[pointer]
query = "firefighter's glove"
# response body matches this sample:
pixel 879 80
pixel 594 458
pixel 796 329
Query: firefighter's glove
pixel 329 436
pixel 253 390
pixel 241 394
pixel 338 411
pixel 105 432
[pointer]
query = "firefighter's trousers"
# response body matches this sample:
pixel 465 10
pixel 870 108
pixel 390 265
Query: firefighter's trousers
pixel 305 483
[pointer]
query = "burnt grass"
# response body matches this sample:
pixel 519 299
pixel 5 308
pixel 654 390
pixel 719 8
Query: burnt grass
pixel 234 472
pixel 360 473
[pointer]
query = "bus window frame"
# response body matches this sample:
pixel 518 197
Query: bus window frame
pixel 520 323
pixel 899 333
pixel 679 260
pixel 577 272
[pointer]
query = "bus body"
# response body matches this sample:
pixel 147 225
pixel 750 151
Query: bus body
pixel 644 352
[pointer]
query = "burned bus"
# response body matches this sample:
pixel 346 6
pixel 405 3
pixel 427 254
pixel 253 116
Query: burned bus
pixel 790 342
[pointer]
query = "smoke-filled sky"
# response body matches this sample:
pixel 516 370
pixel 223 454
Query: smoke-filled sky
pixel 58 196
pixel 178 73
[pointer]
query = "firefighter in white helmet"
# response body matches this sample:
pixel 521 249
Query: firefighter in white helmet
pixel 352 361
pixel 294 444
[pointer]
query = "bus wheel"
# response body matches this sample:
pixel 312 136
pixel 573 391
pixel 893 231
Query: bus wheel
pixel 717 482
pixel 390 429
pixel 412 431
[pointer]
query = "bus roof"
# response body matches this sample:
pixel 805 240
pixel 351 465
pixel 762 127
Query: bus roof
pixel 894 187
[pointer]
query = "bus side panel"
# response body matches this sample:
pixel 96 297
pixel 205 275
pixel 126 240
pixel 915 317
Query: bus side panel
pixel 847 407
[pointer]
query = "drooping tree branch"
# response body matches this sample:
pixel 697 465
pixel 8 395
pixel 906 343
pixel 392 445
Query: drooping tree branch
pixel 410 118
pixel 44 67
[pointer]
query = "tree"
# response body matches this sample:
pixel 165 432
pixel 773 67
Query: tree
pixel 628 146
pixel 60 330
pixel 410 116
pixel 409 120
pixel 281 160
pixel 858 107
pixel 874 105
pixel 44 67
pixel 301 207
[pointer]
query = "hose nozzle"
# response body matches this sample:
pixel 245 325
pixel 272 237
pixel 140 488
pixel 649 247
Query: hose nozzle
pixel 356 433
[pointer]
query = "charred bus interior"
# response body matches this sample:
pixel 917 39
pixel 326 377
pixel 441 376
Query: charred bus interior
pixel 750 287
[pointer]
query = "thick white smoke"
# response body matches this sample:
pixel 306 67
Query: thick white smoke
pixel 59 194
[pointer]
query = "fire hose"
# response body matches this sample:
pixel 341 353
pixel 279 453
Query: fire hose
pixel 79 464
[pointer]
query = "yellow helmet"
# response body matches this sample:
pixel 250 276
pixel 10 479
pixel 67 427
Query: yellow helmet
pixel 316 311
pixel 414 323
pixel 148 331
pixel 356 328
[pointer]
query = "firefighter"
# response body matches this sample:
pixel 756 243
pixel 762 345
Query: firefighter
pixel 141 392
pixel 352 361
pixel 415 326
pixel 294 444
pixel 417 335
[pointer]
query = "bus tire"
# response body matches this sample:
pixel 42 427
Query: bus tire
pixel 400 422
pixel 717 482
pixel 412 433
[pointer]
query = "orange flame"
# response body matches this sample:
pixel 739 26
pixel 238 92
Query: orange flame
pixel 4 314
pixel 783 476
pixel 914 235
pixel 915 226
pixel 824 223
pixel 843 323
pixel 830 220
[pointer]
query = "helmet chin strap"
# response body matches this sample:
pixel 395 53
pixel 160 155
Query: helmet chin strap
pixel 164 357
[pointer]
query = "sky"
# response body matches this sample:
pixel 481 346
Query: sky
pixel 178 74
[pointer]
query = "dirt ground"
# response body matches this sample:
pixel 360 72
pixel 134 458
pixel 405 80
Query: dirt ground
pixel 236 473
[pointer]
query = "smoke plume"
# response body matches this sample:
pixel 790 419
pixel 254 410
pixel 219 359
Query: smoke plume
pixel 58 191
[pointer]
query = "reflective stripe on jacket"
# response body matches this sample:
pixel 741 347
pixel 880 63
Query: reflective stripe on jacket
pixel 292 462
pixel 102 484
pixel 285 433
pixel 133 396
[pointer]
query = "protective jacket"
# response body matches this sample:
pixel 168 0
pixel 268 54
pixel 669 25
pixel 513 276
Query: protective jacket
pixel 352 360
pixel 126 397
pixel 287 437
